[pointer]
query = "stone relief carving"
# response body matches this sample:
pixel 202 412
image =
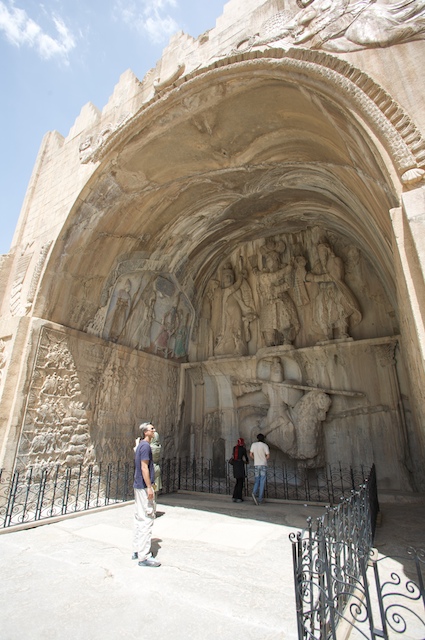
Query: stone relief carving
pixel 56 426
pixel 146 311
pixel 293 294
pixel 3 359
pixel 295 414
pixel 278 316
pixel 233 311
pixel 342 25
pixel 86 400
pixel 37 272
pixel 334 304
pixel 121 303
pixel 159 84
pixel 386 354
pixel 298 430
pixel 92 144
pixel 404 141
pixel 19 304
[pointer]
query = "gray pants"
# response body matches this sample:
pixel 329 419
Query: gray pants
pixel 144 515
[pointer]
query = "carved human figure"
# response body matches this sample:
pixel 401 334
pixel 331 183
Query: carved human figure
pixel 168 329
pixel 319 20
pixel 276 370
pixel 181 335
pixel 211 313
pixel 142 337
pixel 279 323
pixel 343 25
pixel 50 384
pixel 136 332
pixel 121 311
pixel 301 297
pixel 233 312
pixel 335 305
pixel 373 24
pixel 53 356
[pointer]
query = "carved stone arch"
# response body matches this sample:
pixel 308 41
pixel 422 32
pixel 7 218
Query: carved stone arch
pixel 356 90
pixel 383 114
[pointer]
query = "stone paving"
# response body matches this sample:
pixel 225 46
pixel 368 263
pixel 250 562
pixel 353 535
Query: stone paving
pixel 226 572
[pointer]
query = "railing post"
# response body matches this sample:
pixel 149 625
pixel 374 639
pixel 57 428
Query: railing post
pixel 11 499
pixel 331 564
pixel 40 498
pixel 117 482
pixel 108 483
pixel 88 487
pixel 66 488
pixel 77 493
pixel 27 494
pixel 99 476
pixel 296 555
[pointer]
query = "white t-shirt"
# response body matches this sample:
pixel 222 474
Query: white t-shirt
pixel 260 451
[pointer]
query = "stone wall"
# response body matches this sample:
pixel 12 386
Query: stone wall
pixel 251 214
pixel 331 404
pixel 86 399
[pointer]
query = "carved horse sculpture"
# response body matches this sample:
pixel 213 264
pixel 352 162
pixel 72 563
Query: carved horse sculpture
pixel 297 430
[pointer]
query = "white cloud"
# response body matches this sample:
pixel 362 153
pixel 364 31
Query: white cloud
pixel 149 17
pixel 21 30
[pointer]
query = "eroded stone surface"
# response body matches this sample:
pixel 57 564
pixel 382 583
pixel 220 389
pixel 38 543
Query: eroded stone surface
pixel 234 244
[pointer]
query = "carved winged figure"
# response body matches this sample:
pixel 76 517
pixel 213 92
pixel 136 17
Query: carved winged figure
pixel 343 25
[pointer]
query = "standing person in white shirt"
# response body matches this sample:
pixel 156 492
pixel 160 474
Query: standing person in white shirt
pixel 260 453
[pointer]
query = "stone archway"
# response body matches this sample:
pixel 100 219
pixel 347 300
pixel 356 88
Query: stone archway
pixel 252 157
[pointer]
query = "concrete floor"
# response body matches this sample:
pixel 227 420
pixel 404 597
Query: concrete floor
pixel 226 571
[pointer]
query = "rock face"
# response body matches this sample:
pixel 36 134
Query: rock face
pixel 235 244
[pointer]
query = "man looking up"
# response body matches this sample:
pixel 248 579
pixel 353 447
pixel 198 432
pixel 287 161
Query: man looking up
pixel 260 453
pixel 144 498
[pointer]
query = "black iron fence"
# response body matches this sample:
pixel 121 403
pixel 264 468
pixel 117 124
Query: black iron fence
pixel 325 485
pixel 335 591
pixel 39 493
pixel 337 581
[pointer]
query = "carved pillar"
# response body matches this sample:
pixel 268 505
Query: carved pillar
pixel 196 411
pixel 409 252
pixel 386 356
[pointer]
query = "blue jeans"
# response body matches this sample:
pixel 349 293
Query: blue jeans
pixel 260 473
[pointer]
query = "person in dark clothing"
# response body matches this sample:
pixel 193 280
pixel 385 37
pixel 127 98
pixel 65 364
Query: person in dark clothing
pixel 240 460
pixel 144 498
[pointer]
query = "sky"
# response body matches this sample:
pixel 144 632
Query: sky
pixel 57 55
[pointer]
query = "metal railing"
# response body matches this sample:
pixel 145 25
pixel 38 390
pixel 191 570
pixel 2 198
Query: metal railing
pixel 325 485
pixel 39 493
pixel 333 588
pixel 43 492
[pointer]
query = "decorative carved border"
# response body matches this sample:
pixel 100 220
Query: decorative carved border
pixel 385 117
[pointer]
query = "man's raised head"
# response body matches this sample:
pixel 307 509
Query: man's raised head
pixel 146 427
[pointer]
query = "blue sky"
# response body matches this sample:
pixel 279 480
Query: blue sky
pixel 58 55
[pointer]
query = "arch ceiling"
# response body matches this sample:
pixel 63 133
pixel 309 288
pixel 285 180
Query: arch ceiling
pixel 211 165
